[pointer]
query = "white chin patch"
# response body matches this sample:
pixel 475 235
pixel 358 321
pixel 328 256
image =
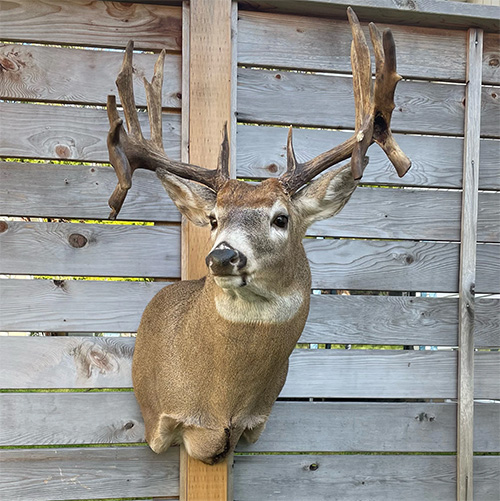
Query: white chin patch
pixel 230 281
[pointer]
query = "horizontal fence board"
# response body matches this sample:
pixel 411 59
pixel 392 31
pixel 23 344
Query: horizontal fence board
pixel 408 214
pixel 88 473
pixel 74 305
pixel 318 44
pixel 397 265
pixel 355 477
pixel 72 362
pixel 103 306
pixel 490 111
pixel 79 76
pixel 80 192
pixel 100 24
pixel 491 58
pixel 354 426
pixel 73 191
pixel 69 132
pixel 107 250
pixel 436 161
pixel 284 97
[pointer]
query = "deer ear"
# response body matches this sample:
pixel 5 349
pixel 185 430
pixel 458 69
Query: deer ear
pixel 326 196
pixel 194 201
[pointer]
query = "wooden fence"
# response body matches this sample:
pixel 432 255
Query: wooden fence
pixel 350 424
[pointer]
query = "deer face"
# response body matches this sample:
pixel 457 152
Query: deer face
pixel 257 230
pixel 254 232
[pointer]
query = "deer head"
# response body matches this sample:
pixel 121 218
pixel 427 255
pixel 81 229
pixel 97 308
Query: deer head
pixel 257 288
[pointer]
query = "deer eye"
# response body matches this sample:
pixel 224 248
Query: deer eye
pixel 281 221
pixel 213 222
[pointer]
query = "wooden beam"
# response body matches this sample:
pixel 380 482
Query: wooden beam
pixel 465 417
pixel 207 84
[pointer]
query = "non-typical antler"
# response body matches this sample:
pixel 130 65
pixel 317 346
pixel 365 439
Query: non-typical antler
pixel 129 151
pixel 372 116
pixel 374 104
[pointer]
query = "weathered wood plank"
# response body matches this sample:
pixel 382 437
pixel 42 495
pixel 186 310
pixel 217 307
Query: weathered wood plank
pixel 436 161
pixel 72 362
pixel 73 192
pixel 79 76
pixel 390 265
pixel 467 279
pixel 79 192
pixel 491 58
pixel 101 306
pixel 94 23
pixel 354 477
pixel 284 97
pixel 318 44
pixel 490 111
pixel 408 214
pixel 420 12
pixel 90 250
pixel 83 473
pixel 355 426
pixel 68 132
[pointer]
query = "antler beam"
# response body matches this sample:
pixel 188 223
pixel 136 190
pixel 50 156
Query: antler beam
pixel 373 111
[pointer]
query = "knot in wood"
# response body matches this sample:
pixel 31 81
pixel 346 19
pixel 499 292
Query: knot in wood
pixel 494 61
pixel 77 241
pixel 313 466
pixel 3 226
pixel 62 151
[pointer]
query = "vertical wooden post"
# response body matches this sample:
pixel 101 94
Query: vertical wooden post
pixel 465 416
pixel 207 87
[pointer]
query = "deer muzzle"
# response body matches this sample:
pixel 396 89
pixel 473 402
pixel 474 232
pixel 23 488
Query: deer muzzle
pixel 224 260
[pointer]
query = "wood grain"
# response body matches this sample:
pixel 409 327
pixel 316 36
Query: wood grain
pixel 211 82
pixel 79 192
pixel 491 58
pixel 73 362
pixel 102 306
pixel 349 478
pixel 320 44
pixel 90 250
pixel 92 23
pixel 393 265
pixel 82 191
pixel 467 278
pixel 436 161
pixel 283 97
pixel 407 214
pixel 79 76
pixel 355 426
pixel 68 133
pixel 420 12
pixel 83 473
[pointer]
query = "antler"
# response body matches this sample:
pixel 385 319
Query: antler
pixel 129 151
pixel 372 116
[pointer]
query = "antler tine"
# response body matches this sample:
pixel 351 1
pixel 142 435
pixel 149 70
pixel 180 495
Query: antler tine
pixel 223 163
pixel 386 79
pixel 125 85
pixel 153 97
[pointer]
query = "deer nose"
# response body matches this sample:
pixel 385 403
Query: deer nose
pixel 224 261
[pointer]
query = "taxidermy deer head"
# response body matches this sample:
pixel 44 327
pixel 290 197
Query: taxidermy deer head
pixel 211 355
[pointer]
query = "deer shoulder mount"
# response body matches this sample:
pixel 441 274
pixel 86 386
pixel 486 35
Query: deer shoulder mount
pixel 211 355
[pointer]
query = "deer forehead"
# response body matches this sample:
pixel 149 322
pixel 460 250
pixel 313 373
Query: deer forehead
pixel 264 195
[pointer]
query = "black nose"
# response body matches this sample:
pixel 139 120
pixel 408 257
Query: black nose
pixel 224 261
